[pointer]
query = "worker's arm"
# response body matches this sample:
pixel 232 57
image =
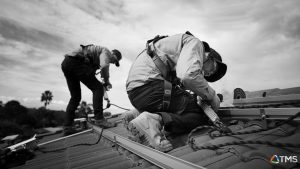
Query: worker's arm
pixel 102 57
pixel 104 66
pixel 189 70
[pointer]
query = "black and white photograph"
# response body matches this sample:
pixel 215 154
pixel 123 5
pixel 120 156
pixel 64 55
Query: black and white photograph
pixel 133 84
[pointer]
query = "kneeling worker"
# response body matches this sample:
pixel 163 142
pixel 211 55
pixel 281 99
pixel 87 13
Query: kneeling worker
pixel 157 84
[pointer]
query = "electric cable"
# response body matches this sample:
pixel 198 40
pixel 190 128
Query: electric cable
pixel 75 145
pixel 291 118
pixel 195 147
pixel 242 142
pixel 119 107
pixel 197 129
pixel 116 106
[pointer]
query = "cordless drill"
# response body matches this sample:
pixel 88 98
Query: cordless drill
pixel 213 117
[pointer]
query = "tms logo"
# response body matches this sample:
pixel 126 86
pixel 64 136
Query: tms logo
pixel 275 159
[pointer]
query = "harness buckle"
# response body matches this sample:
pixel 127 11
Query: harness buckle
pixel 168 92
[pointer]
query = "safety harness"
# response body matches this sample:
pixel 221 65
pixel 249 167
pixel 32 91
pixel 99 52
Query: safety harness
pixel 171 80
pixel 85 55
pixel 169 76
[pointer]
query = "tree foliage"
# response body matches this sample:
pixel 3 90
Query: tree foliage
pixel 17 119
pixel 46 97
pixel 83 110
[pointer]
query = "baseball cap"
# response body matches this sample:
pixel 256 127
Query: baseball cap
pixel 118 56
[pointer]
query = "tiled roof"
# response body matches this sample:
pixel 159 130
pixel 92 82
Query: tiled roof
pixel 101 155
pixel 104 155
pixel 107 154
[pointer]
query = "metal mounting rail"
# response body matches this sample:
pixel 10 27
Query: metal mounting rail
pixel 156 157
pixel 257 113
pixel 267 100
pixel 22 144
pixel 61 138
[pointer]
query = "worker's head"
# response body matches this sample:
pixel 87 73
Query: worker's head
pixel 117 57
pixel 213 67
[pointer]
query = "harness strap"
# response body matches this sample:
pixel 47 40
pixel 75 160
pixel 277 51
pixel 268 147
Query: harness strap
pixel 167 95
pixel 161 66
pixel 84 49
pixel 84 56
pixel 156 59
pixel 155 39
pixel 167 85
pixel 163 70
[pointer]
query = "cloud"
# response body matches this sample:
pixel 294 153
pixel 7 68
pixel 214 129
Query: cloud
pixel 258 40
pixel 12 30
pixel 282 18
pixel 108 10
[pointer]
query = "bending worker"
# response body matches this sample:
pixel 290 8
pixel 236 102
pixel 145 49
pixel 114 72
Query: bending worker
pixel 157 84
pixel 80 66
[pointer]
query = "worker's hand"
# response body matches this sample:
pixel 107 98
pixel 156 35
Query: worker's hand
pixel 215 103
pixel 107 85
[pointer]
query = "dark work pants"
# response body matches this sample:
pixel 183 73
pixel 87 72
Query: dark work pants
pixel 76 71
pixel 183 114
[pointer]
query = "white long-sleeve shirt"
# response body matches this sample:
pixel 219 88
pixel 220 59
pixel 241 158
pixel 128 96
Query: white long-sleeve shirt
pixel 183 53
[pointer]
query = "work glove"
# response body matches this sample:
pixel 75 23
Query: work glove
pixel 107 85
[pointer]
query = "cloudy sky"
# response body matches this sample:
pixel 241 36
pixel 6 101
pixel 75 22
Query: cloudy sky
pixel 258 39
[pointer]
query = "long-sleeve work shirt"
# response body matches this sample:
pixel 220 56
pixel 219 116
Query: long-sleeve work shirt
pixel 98 56
pixel 184 54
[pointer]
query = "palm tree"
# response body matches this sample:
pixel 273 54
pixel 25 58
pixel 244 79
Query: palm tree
pixel 46 97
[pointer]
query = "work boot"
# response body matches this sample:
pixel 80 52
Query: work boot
pixel 103 123
pixel 69 130
pixel 130 115
pixel 146 129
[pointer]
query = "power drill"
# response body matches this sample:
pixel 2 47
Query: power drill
pixel 105 96
pixel 214 118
